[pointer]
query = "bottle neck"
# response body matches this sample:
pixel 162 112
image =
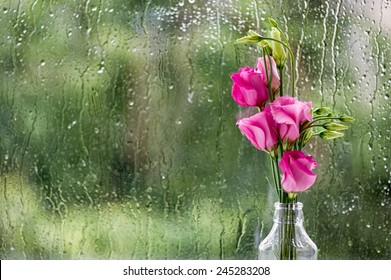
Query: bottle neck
pixel 288 213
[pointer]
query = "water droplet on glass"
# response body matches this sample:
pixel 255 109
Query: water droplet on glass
pixel 101 69
pixel 72 124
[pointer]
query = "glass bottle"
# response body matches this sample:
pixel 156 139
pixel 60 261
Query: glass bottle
pixel 287 240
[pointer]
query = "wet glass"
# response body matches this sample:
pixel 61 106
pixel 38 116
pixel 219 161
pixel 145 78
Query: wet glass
pixel 118 136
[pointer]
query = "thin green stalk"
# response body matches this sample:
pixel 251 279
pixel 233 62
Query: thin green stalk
pixel 290 58
pixel 311 126
pixel 279 178
pixel 268 79
pixel 288 231
pixel 316 119
pixel 275 177
pixel 281 81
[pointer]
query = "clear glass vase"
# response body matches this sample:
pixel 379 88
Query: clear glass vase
pixel 287 240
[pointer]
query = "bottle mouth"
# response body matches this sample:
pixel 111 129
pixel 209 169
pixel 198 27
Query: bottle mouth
pixel 288 213
pixel 290 206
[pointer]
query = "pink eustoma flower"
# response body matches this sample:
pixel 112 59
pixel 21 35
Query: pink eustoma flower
pixel 249 88
pixel 296 169
pixel 260 130
pixel 290 113
pixel 272 72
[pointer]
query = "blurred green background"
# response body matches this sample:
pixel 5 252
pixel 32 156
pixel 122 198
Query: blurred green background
pixel 118 136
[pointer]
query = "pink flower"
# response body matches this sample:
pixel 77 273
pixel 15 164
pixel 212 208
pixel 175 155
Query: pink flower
pixel 290 113
pixel 249 88
pixel 260 130
pixel 271 73
pixel 296 169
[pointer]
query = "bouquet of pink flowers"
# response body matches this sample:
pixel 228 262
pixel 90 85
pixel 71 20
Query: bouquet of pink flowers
pixel 284 124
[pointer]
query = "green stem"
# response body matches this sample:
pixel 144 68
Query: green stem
pixel 311 126
pixel 283 35
pixel 288 250
pixel 275 177
pixel 281 80
pixel 278 178
pixel 290 58
pixel 268 79
pixel 324 118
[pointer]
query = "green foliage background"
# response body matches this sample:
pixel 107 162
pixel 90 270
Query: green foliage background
pixel 118 136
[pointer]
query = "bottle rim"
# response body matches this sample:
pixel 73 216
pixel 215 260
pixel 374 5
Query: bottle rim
pixel 293 206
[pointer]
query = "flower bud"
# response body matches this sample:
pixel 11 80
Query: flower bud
pixel 273 22
pixel 250 39
pixel 306 136
pixel 329 134
pixel 346 118
pixel 279 52
pixel 322 111
pixel 334 126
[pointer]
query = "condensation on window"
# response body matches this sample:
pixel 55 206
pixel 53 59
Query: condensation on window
pixel 118 136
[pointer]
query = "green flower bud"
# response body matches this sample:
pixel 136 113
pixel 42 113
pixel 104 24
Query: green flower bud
pixel 249 39
pixel 346 118
pixel 273 22
pixel 279 53
pixel 335 126
pixel 329 134
pixel 322 111
pixel 307 136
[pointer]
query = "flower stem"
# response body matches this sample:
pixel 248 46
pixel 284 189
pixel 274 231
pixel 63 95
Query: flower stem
pixel 281 80
pixel 288 232
pixel 278 178
pixel 324 118
pixel 276 185
pixel 269 76
pixel 290 58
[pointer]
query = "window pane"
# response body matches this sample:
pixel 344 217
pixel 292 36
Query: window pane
pixel 118 136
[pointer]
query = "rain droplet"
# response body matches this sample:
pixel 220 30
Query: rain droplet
pixel 101 69
pixel 72 124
